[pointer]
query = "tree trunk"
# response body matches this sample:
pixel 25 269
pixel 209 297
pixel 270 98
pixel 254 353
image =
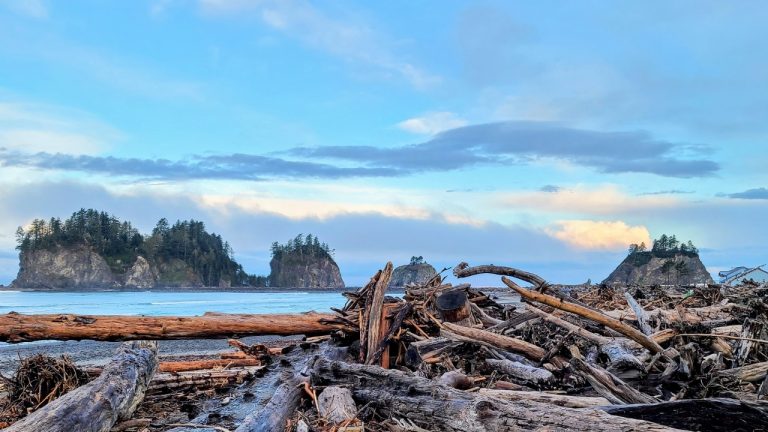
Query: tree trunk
pixel 98 405
pixel 15 327
pixel 453 306
pixel 432 406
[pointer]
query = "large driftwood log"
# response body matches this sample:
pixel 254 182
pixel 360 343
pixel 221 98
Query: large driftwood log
pixel 707 415
pixel 453 306
pixel 98 405
pixel 16 327
pixel 548 398
pixel 289 379
pixel 598 317
pixel 432 406
pixel 466 334
pixel 280 407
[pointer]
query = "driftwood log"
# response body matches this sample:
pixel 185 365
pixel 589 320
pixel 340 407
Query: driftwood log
pixel 467 334
pixel 432 406
pixel 522 373
pixel 706 415
pixel 98 405
pixel 549 398
pixel 453 306
pixel 609 386
pixel 336 404
pixel 16 327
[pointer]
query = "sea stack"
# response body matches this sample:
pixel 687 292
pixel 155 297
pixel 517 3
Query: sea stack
pixel 417 272
pixel 304 262
pixel 669 262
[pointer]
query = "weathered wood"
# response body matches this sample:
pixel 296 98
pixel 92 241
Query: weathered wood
pixel 98 405
pixel 487 320
pixel 548 398
pixel 706 415
pixel 394 326
pixel 376 316
pixel 589 314
pixel 183 366
pixel 336 404
pixel 680 316
pixel 463 270
pixel 640 315
pixel 750 373
pixel 522 373
pixel 280 407
pixel 16 327
pixel 453 305
pixel 165 383
pixel 609 386
pixel 420 351
pixel 431 406
pixel 466 334
pixel 365 294
pixel 751 331
pixel 617 350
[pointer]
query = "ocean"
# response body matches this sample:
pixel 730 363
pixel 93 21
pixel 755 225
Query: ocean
pixel 166 302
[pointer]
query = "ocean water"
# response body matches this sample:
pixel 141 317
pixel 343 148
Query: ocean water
pixel 167 303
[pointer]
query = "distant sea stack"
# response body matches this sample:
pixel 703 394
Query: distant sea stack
pixel 304 262
pixel 669 262
pixel 95 250
pixel 416 272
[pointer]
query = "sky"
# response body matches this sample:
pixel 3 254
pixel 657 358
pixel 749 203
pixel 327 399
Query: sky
pixel 545 135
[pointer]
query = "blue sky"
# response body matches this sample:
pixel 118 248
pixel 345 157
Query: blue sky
pixel 543 135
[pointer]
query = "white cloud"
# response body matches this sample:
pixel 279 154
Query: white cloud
pixel 30 8
pixel 599 235
pixel 345 38
pixel 604 200
pixel 43 128
pixel 432 123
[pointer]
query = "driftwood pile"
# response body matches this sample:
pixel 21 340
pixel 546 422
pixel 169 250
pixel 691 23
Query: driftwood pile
pixel 446 357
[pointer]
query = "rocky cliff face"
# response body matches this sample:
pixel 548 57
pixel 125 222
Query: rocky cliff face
pixel 81 268
pixel 645 268
pixel 411 273
pixel 140 275
pixel 77 267
pixel 291 270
